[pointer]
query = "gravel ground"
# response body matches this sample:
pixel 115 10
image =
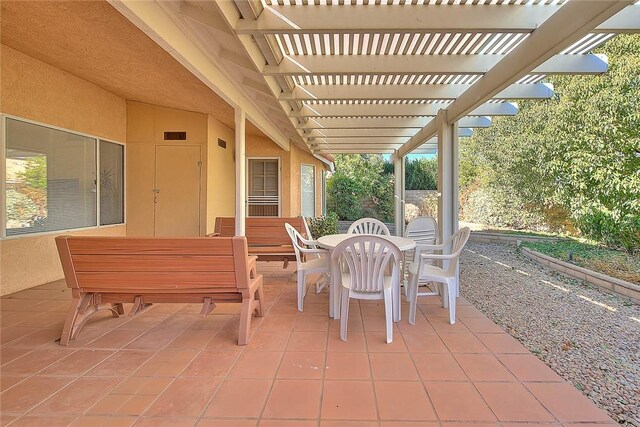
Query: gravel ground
pixel 589 337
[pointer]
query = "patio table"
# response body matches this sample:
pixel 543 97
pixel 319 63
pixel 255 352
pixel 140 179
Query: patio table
pixel 332 240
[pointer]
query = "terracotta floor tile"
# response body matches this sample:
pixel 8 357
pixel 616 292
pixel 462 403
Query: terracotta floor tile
pixel 29 393
pixel 347 366
pixel 393 366
pixel 123 363
pixel 154 339
pixel 144 321
pixel 294 399
pixel 31 421
pixel 115 339
pixel 239 399
pixel 78 362
pixel 483 367
pixel 354 324
pixel 609 424
pixel 413 424
pixel 166 422
pixel 287 423
pixel 8 354
pixel 312 324
pixel 35 361
pixel 136 405
pixel 103 421
pixel 268 340
pixel 211 323
pixel 372 309
pixel 278 323
pixel 434 310
pixel 527 367
pixel 463 343
pixel 302 364
pixel 482 325
pixel 513 402
pixel 566 403
pixel 425 343
pixel 442 325
pixel 377 343
pixel 376 324
pixel 438 367
pixel 399 400
pixel 77 397
pixel 353 400
pixel 502 343
pixel 458 402
pixel 307 341
pixel 209 422
pixel 192 338
pixel 109 404
pixel 29 337
pixel 355 342
pixel 257 364
pixel 211 363
pixel 8 381
pixel 142 386
pixel 184 397
pixel 315 309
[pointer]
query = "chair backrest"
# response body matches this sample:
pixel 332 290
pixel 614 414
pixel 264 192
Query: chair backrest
pixel 305 222
pixel 295 237
pixel 369 226
pixel 422 230
pixel 457 242
pixel 367 258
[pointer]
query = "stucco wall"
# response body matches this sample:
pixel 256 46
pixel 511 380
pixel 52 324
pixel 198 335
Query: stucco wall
pixel 34 90
pixel 221 175
pixel 146 125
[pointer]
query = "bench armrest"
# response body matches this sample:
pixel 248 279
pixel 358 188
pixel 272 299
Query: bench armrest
pixel 251 264
pixel 213 235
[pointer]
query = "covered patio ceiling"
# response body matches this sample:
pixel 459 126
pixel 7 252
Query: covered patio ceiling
pixel 359 76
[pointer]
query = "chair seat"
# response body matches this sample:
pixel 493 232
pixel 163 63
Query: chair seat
pixel 429 272
pixel 315 265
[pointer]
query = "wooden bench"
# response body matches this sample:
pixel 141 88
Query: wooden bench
pixel 266 236
pixel 105 272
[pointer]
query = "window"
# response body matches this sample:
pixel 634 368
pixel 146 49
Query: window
pixel 51 180
pixel 308 191
pixel 264 187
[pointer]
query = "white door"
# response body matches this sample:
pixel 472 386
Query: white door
pixel 177 198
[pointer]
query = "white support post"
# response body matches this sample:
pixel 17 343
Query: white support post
pixel 398 216
pixel 241 173
pixel 447 176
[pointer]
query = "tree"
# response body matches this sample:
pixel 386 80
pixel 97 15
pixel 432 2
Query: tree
pixel 421 174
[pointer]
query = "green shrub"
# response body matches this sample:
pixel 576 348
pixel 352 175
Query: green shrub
pixel 343 197
pixel 323 225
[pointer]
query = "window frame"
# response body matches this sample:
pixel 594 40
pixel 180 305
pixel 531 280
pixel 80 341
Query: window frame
pixel 248 184
pixel 3 178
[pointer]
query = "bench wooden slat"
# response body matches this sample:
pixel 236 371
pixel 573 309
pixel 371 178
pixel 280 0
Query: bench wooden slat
pixel 82 245
pixel 145 262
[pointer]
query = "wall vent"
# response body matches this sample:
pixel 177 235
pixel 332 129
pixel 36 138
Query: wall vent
pixel 222 143
pixel 175 136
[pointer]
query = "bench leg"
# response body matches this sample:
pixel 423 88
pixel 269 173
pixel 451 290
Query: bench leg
pixel 248 304
pixel 260 302
pixel 83 306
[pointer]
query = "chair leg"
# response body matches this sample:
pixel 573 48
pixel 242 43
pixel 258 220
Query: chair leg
pixel 413 302
pixel 388 314
pixel 344 317
pixel 301 287
pixel 445 295
pixel 451 286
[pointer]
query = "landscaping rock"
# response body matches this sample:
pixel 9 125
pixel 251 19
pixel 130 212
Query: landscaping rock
pixel 590 338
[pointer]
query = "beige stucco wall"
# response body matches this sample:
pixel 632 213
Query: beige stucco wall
pixel 146 125
pixel 221 175
pixel 34 90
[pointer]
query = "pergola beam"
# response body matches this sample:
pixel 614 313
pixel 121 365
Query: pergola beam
pixel 425 64
pixel 409 91
pixel 363 110
pixel 375 124
pixel 278 19
pixel 566 26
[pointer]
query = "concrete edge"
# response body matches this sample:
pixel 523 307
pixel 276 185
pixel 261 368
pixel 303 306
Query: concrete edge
pixel 607 283
pixel 487 237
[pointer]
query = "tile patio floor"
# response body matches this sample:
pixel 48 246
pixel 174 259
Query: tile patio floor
pixel 170 366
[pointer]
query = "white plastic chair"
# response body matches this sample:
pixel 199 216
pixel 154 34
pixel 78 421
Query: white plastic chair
pixel 421 270
pixel 367 259
pixel 319 264
pixel 424 231
pixel 368 226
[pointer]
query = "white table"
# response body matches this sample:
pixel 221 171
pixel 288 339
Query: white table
pixel 332 240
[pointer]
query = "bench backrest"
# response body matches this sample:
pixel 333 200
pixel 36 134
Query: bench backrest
pixel 261 231
pixel 127 264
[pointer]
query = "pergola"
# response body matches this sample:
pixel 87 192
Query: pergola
pixel 381 76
